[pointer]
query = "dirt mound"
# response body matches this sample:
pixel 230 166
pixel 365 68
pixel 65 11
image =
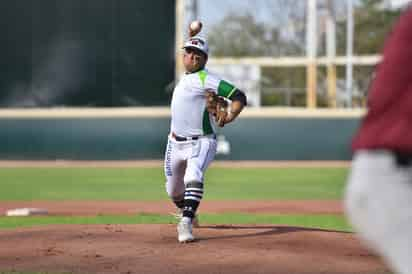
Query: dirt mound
pixel 153 249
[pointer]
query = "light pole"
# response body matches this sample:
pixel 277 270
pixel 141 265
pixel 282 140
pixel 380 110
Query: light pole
pixel 179 37
pixel 331 53
pixel 191 11
pixel 311 53
pixel 349 53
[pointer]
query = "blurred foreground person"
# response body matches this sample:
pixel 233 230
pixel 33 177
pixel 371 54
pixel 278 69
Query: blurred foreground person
pixel 378 198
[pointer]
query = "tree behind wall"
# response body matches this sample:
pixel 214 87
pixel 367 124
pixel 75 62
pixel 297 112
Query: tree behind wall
pixel 241 36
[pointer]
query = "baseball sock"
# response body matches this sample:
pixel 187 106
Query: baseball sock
pixel 193 195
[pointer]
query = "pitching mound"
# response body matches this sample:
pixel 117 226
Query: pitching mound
pixel 154 249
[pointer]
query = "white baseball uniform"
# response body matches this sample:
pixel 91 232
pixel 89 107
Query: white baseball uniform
pixel 186 161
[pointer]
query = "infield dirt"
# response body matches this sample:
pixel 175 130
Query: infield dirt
pixel 240 249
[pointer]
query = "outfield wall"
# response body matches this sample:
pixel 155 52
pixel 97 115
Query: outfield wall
pixel 141 133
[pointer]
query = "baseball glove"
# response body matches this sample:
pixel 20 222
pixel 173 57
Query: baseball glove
pixel 217 106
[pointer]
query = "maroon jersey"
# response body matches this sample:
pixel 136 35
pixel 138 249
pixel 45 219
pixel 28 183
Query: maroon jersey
pixel 388 123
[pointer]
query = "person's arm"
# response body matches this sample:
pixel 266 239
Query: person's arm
pixel 239 101
pixel 227 90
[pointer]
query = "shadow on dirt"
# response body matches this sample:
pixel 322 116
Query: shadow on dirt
pixel 263 231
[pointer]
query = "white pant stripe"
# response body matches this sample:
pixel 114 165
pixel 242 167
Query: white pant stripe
pixel 194 189
pixel 192 198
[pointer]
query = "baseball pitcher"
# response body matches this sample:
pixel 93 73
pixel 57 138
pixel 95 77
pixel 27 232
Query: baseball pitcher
pixel 201 102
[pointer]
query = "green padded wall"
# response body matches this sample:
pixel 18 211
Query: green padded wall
pixel 145 138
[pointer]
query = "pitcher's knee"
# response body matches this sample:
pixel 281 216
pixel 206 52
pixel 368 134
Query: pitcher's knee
pixel 174 190
pixel 194 175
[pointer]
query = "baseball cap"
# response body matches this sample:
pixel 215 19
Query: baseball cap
pixel 199 43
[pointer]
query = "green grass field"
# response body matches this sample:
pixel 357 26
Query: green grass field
pixel 27 184
pixel 132 184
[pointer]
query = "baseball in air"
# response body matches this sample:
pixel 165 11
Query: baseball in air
pixel 195 27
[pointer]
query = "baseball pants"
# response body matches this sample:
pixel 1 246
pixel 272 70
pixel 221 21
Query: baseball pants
pixel 186 162
pixel 378 203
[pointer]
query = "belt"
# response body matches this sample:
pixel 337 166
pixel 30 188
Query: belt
pixel 183 139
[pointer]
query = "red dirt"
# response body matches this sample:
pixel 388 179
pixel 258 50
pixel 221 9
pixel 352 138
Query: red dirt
pixel 154 249
pixel 151 249
pixel 87 208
